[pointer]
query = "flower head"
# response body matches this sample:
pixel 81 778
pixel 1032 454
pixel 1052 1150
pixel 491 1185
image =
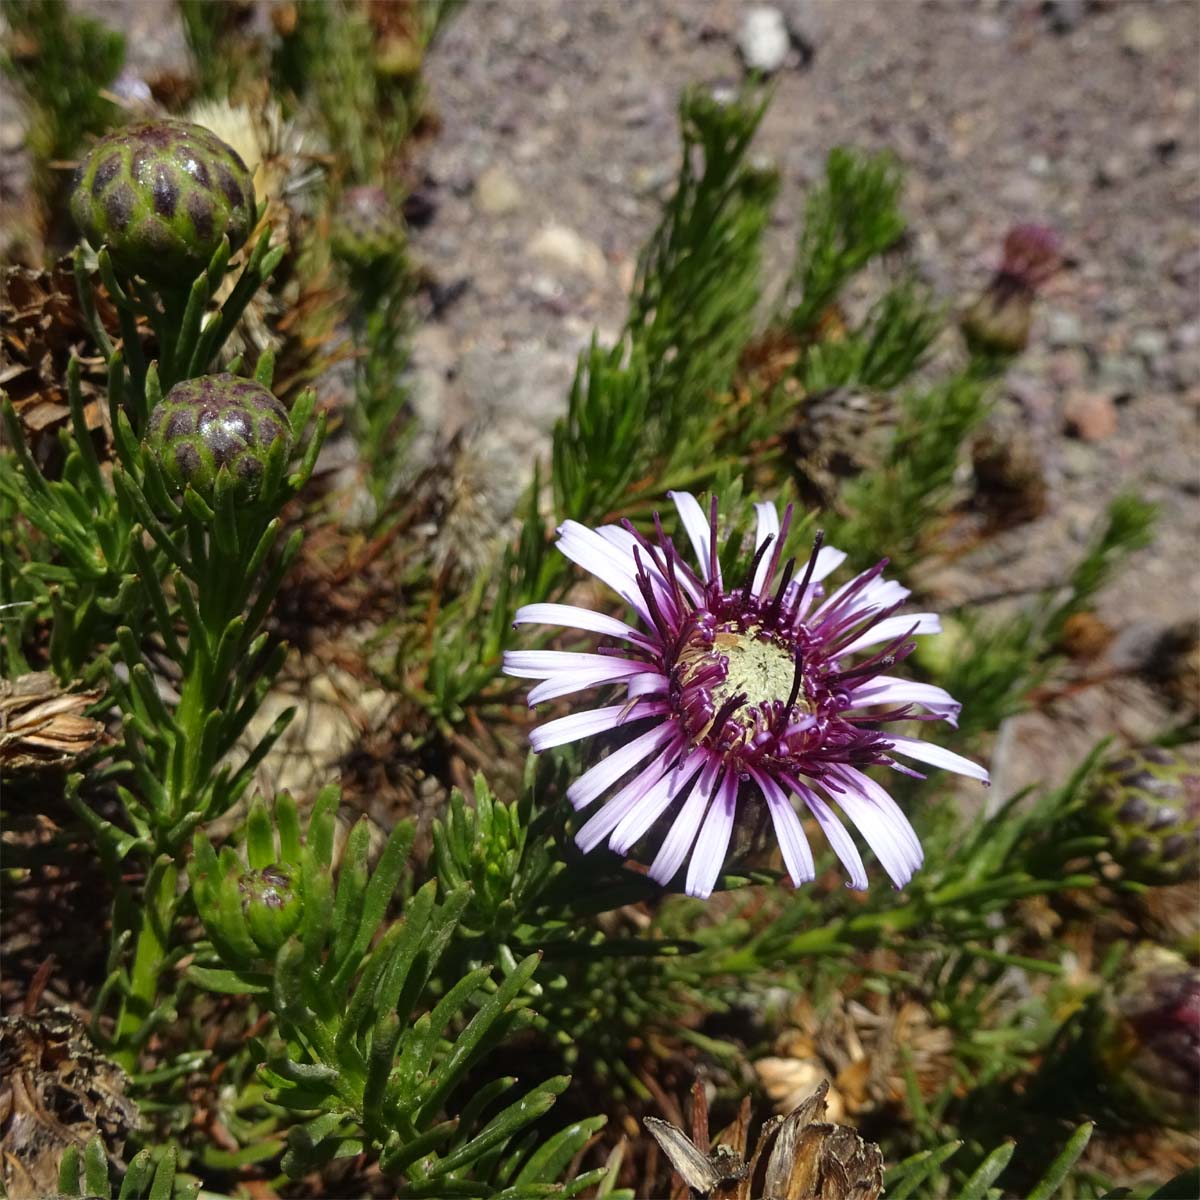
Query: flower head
pixel 768 685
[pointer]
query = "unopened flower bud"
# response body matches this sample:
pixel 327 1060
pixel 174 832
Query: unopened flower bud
pixel 160 195
pixel 216 421
pixel 999 320
pixel 1147 802
pixel 1147 1041
pixel 271 906
pixel 367 228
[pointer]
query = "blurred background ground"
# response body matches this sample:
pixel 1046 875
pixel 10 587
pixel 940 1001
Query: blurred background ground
pixel 558 139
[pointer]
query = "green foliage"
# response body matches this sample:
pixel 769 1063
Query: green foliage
pixel 381 321
pixel 221 58
pixel 366 94
pixel 60 60
pixel 600 447
pixel 371 1044
pixel 144 1178
pixel 922 1174
pixel 997 663
pixel 692 307
pixel 487 849
pixel 891 509
pixel 852 217
pixel 884 353
pixel 99 570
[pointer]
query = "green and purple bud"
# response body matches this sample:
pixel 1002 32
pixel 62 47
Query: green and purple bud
pixel 271 906
pixel 1147 1040
pixel 160 195
pixel 1147 802
pixel 216 421
pixel 368 229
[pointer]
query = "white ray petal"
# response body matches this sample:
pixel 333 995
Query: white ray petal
pixel 938 756
pixel 544 664
pixel 708 856
pixel 603 822
pixel 886 689
pixel 699 532
pixel 797 854
pixel 638 820
pixel 888 838
pixel 890 628
pixel 828 561
pixel 683 829
pixel 575 726
pixel 569 682
pixel 571 616
pixel 835 834
pixel 587 549
pixel 595 781
pixel 768 527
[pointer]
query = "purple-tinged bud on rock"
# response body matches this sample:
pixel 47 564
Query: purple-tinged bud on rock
pixel 271 905
pixel 216 421
pixel 160 195
pixel 999 321
pixel 1147 1041
pixel 368 230
pixel 1146 801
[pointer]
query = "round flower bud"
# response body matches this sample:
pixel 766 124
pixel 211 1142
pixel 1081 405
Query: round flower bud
pixel 998 322
pixel 271 906
pixel 367 229
pixel 160 195
pixel 215 421
pixel 1147 802
pixel 1147 1039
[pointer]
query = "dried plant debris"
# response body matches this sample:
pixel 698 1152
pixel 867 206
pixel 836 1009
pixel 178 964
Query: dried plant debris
pixel 797 1157
pixel 42 725
pixel 55 1092
pixel 837 435
pixel 41 327
pixel 864 1047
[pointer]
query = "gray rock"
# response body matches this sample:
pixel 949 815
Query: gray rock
pixel 1151 344
pixel 763 39
pixel 1121 376
pixel 1063 329
pixel 1064 16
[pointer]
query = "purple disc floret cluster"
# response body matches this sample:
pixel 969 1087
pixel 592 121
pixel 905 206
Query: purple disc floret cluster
pixel 769 685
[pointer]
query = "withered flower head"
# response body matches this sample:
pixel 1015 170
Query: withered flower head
pixel 797 1157
pixel 41 725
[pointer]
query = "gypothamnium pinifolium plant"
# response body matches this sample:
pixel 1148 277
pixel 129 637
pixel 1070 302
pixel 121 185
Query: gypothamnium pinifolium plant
pixel 404 1012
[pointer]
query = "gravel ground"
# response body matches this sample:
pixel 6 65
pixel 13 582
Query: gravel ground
pixel 559 137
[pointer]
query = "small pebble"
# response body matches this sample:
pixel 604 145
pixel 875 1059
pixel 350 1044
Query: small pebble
pixel 1089 416
pixel 763 39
